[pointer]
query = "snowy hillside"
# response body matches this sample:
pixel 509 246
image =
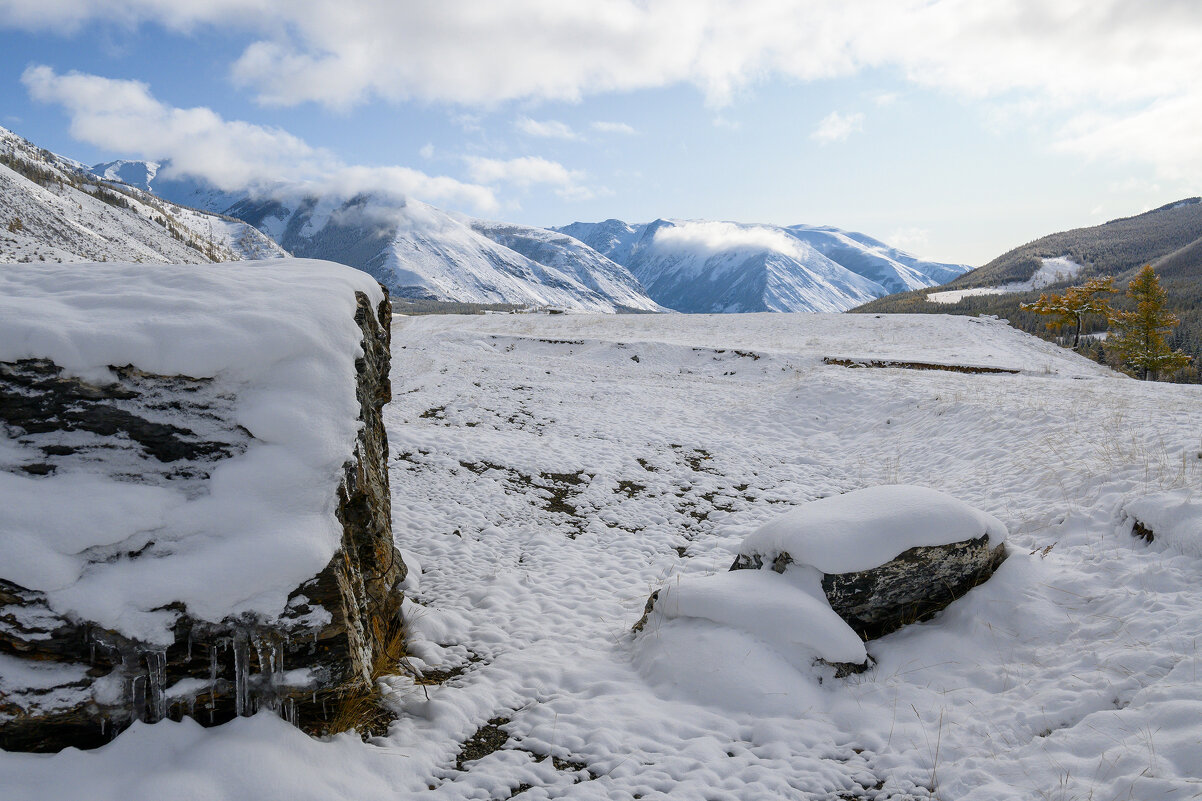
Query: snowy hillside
pixel 156 178
pixel 549 473
pixel 419 251
pixel 572 257
pixel 701 266
pixel 55 210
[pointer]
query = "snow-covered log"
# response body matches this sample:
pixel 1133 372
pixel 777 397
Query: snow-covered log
pixel 194 506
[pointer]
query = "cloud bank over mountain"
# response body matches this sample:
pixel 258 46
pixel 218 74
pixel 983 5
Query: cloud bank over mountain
pixel 1137 60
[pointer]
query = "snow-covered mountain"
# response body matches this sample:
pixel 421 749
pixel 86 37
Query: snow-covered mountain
pixel 572 257
pixel 55 209
pixel 156 178
pixel 422 252
pixel 704 266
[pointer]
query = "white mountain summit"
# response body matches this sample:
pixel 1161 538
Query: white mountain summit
pixel 706 266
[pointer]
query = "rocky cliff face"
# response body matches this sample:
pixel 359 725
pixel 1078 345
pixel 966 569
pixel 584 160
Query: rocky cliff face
pixel 66 681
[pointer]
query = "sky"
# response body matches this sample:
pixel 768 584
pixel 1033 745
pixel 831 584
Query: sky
pixel 955 129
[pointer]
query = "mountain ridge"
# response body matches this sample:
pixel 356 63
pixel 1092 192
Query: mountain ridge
pixel 770 268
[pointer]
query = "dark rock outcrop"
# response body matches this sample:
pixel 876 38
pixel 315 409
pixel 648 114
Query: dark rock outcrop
pixel 912 586
pixel 91 682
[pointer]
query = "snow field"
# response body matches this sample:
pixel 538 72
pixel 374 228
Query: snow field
pixel 548 481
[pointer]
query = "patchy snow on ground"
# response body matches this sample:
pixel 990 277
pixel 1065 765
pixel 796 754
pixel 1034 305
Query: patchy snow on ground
pixel 1050 271
pixel 550 472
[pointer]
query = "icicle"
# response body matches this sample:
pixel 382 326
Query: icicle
pixel 156 684
pixel 241 675
pixel 264 697
pixel 189 645
pixel 212 679
pixel 137 697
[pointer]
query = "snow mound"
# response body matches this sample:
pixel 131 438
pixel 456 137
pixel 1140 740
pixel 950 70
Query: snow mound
pixel 1174 517
pixel 796 623
pixel 866 528
pixel 276 338
pixel 745 639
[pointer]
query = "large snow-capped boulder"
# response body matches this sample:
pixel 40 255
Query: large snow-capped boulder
pixel 194 506
pixel 883 556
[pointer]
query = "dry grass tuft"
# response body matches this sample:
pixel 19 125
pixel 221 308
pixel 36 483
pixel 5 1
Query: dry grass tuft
pixel 360 704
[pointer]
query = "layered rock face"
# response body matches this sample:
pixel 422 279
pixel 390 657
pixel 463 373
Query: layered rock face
pixel 66 680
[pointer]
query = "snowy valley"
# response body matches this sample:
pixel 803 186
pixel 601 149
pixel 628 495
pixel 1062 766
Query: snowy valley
pixel 549 473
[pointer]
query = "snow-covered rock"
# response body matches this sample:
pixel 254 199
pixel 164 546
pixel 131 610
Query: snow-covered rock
pixel 194 507
pixel 883 556
pixel 706 266
pixel 1172 518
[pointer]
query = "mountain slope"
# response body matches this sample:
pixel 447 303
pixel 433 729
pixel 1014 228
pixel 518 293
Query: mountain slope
pixel 155 177
pixel 700 266
pixel 1169 238
pixel 572 257
pixel 895 270
pixel 417 250
pixel 56 210
pixel 421 252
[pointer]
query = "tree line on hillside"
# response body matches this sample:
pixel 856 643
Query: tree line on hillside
pixel 1138 338
pixel 1183 300
pixel 1109 249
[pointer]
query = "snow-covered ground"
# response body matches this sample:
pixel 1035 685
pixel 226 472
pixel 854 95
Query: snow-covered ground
pixel 550 472
pixel 1050 271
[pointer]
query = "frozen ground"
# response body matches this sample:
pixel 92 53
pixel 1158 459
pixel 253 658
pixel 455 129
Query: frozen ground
pixel 549 472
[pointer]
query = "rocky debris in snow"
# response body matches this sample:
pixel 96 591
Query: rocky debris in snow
pixel 888 556
pixel 1171 517
pixel 951 368
pixel 67 680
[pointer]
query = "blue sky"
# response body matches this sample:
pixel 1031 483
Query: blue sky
pixel 951 128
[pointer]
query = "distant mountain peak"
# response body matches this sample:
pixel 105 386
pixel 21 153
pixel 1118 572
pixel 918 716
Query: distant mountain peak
pixel 718 266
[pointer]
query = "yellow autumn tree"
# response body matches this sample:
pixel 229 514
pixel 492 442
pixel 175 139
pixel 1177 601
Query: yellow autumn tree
pixel 1140 336
pixel 1076 302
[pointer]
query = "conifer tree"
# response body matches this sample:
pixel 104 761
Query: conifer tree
pixel 1074 304
pixel 1141 335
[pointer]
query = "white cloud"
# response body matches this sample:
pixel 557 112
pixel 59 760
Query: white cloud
pixel 602 126
pixel 427 151
pixel 1121 59
pixel 547 129
pixel 836 127
pixel 528 171
pixel 910 239
pixel 1173 125
pixel 709 238
pixel 123 116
